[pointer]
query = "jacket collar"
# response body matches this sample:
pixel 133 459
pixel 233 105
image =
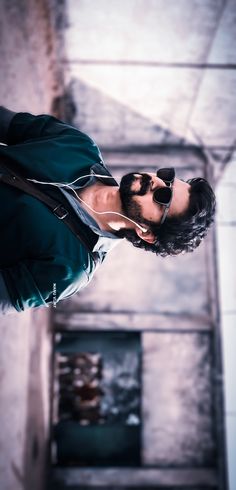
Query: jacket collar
pixel 101 169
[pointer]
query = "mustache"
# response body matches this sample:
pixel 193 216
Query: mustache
pixel 127 181
pixel 145 184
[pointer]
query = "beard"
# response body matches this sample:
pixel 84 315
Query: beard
pixel 129 207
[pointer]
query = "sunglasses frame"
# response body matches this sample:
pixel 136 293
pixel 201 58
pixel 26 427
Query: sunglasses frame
pixel 168 183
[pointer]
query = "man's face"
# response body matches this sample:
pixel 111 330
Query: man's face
pixel 136 192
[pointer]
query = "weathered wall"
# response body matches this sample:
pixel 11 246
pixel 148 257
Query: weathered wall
pixel 148 80
pixel 167 62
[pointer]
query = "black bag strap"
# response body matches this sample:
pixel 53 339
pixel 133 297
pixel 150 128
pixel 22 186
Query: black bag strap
pixel 81 231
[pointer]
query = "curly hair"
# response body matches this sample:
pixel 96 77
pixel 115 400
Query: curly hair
pixel 182 233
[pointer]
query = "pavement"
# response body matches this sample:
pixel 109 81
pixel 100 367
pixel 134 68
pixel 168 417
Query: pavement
pixel 25 366
pixel 29 81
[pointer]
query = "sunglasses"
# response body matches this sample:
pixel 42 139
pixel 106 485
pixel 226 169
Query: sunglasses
pixel 163 195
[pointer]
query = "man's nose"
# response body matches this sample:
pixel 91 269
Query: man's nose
pixel 157 183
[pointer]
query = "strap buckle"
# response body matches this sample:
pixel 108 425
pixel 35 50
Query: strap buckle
pixel 60 211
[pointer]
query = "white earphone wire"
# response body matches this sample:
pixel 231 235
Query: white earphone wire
pixel 59 184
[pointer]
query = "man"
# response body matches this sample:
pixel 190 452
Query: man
pixel 41 259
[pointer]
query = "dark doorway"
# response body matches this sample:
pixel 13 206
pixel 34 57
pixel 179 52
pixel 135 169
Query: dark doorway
pixel 97 414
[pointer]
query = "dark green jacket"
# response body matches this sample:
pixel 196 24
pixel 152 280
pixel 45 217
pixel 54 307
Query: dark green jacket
pixel 40 258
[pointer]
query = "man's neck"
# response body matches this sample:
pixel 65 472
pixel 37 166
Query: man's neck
pixel 100 198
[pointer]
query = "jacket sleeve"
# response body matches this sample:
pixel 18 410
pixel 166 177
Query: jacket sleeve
pixel 33 283
pixel 24 126
pixel 6 305
pixel 6 117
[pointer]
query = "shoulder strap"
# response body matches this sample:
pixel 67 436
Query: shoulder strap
pixel 82 232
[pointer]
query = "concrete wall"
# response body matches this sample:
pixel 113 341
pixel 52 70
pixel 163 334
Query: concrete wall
pixel 147 81
pixel 226 235
pixel 167 62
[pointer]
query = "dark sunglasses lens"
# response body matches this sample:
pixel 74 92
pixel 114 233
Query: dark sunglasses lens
pixel 166 174
pixel 163 195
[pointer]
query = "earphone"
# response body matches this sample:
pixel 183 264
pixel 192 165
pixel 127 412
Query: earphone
pixel 59 184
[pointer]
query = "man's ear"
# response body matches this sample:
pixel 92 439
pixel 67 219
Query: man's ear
pixel 147 235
